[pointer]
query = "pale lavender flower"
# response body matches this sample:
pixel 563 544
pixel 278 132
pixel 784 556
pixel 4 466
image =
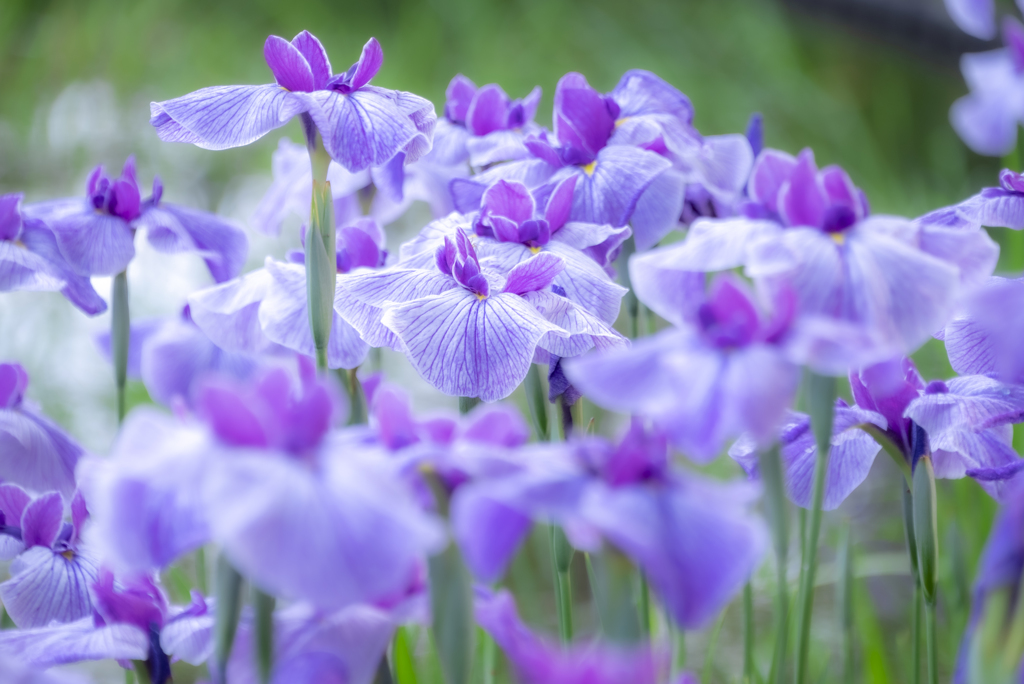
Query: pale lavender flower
pixel 361 125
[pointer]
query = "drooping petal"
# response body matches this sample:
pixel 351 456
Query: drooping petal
pixel 222 245
pixel 92 242
pixel 284 317
pixel 608 193
pixel 46 586
pixel 363 128
pixel 853 452
pixel 36 453
pixel 145 505
pixel 20 269
pixel 77 288
pixel 488 530
pixel 469 347
pixel 360 298
pixel 47 646
pixel 360 527
pixel 972 402
pixel 229 313
pixel 578 329
pixel 221 117
pixel 973 251
pixel 658 209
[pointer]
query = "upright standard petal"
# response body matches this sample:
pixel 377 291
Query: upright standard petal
pixel 225 116
pixel 470 347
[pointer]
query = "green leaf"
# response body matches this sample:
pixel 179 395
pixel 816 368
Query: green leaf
pixel 405 669
pixel 926 527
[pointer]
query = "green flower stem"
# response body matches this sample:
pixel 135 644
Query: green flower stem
pixel 321 263
pixel 490 655
pixel 749 677
pixel 467 404
pixel 927 541
pixel 821 393
pixel 932 645
pixel 537 402
pixel 201 580
pixel 561 554
pixel 646 614
pixel 264 604
pixel 915 618
pixel 358 411
pixel 613 582
pixel 229 608
pixel 844 599
pixel 630 301
pixel 141 672
pixel 120 332
pixel 777 509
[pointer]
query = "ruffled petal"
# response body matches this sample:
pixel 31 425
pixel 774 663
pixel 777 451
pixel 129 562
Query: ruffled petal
pixel 46 587
pixel 609 191
pixel 363 128
pixel 360 298
pixel 971 250
pixel 601 243
pixel 468 347
pixel 585 330
pixel 222 244
pixel 972 402
pixel 284 318
pixel 189 638
pixel 225 116
pixel 229 313
pixel 92 242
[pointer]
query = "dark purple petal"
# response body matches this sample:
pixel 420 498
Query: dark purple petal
pixel 559 205
pixel 488 110
pixel 509 199
pixel 316 57
pixel 225 116
pixel 771 170
pixel 582 119
pixel 370 61
pixel 10 216
pixel 802 197
pixel 42 520
pixel 755 132
pixel 13 383
pixel 290 68
pixel 458 98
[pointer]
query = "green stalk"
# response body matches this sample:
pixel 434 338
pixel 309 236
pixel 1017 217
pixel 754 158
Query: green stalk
pixel 646 614
pixel 264 604
pixel 748 635
pixel 467 404
pixel 537 402
pixel 490 654
pixel 931 640
pixel 201 579
pixel 357 399
pixel 120 332
pixel 915 618
pixel 927 542
pixel 405 667
pixel 777 510
pixel 321 262
pixel 678 637
pixel 709 662
pixel 821 393
pixel 844 599
pixel 561 555
pixel 141 672
pixel 612 580
pixel 229 607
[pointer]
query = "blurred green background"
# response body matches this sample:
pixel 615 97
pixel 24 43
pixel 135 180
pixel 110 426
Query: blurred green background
pixel 866 83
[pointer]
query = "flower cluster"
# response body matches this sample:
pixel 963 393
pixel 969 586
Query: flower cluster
pixel 354 517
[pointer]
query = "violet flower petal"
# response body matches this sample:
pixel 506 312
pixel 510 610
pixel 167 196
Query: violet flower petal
pixel 46 586
pixel 976 17
pixel 290 68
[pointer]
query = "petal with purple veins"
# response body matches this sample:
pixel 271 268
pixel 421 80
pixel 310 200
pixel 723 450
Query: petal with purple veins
pixel 288 64
pixel 534 274
pixel 221 117
pixel 316 57
pixel 608 193
pixel 46 587
pixel 229 313
pixel 47 646
pixel 36 453
pixel 92 242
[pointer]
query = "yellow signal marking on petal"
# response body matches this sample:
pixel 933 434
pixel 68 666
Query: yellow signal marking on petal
pixel 839 238
pixel 69 554
pixel 481 297
pixel 619 122
pixel 535 250
pixel 589 168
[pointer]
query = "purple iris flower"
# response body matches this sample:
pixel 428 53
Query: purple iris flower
pixel 964 424
pixel 311 647
pixel 483 126
pixel 31 260
pixel 696 541
pixel 540 660
pixel 50 576
pixel 389 189
pixel 986 119
pixel 467 329
pixel 610 177
pixel 982 339
pixel 976 17
pixel 268 480
pixel 34 452
pixel 512 226
pixel 999 207
pixel 130 620
pixel 866 287
pixel 171 355
pixel 361 125
pixel 723 371
pixel 265 310
pixel 96 235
